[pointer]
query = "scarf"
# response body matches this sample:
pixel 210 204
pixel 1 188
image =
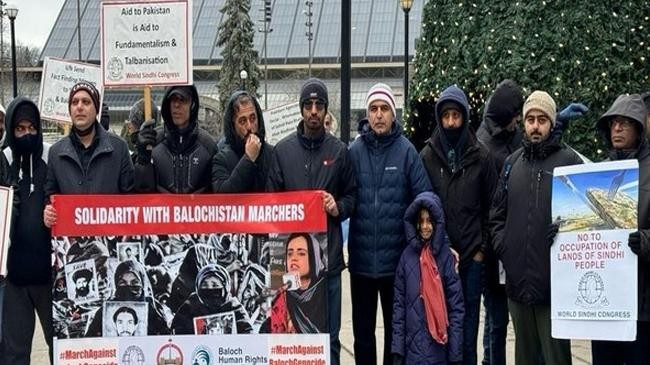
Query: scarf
pixel 433 295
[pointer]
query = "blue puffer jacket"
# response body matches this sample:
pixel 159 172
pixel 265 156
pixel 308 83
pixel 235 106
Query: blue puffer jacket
pixel 411 338
pixel 389 175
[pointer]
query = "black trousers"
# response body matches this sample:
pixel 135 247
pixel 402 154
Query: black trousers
pixel 364 291
pixel 19 318
pixel 628 353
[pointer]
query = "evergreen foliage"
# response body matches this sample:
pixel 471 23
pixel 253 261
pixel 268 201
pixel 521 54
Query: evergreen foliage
pixel 236 39
pixel 584 51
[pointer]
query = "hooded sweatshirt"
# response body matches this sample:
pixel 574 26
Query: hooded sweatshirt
pixel 29 253
pixel 232 170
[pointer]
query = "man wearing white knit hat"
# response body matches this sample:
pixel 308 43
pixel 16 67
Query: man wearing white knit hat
pixel 522 231
pixel 389 175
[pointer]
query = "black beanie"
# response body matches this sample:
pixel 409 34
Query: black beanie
pixel 90 89
pixel 314 89
pixel 25 111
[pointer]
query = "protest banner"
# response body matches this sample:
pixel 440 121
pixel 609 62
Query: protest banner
pixel 281 121
pixel 595 206
pixel 58 78
pixel 146 43
pixel 6 205
pixel 165 277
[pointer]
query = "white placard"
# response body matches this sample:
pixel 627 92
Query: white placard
pixel 146 43
pixel 596 207
pixel 6 208
pixel 281 121
pixel 58 78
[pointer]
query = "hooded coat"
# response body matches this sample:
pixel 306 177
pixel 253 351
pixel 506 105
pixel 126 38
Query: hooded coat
pixel 232 171
pixel 182 162
pixel 389 176
pixel 521 214
pixel 321 163
pixel 411 337
pixel 29 259
pixel 466 191
pixel 504 104
pixel 632 107
pixel 197 306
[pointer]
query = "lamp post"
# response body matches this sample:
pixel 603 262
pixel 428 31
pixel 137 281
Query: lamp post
pixel 243 75
pixel 406 6
pixel 309 24
pixel 12 13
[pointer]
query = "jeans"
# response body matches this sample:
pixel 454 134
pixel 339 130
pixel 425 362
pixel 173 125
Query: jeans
pixel 496 327
pixel 471 277
pixel 364 291
pixel 334 316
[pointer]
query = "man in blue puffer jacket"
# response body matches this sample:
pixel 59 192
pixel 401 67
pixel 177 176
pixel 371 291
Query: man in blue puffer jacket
pixel 389 176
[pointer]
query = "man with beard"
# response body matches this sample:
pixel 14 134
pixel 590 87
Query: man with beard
pixel 242 164
pixel 126 321
pixel 29 285
pixel 521 221
pixel 211 296
pixel 89 160
pixel 132 285
pixel 313 159
pixel 182 162
pixel 622 128
pixel 82 279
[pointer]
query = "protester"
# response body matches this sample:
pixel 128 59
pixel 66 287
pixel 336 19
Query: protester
pixel 310 158
pixel 89 160
pixel 132 125
pixel 428 308
pixel 28 285
pixel 389 176
pixel 463 175
pixel 242 165
pixel 182 162
pixel 521 222
pixel 623 130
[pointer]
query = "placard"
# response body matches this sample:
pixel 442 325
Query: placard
pixel 281 121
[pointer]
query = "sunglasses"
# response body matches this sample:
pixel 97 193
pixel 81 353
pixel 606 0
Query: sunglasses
pixel 307 105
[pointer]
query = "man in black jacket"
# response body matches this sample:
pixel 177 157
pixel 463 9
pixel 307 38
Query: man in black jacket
pixel 463 175
pixel 310 158
pixel 182 162
pixel 520 219
pixel 622 128
pixel 29 285
pixel 242 164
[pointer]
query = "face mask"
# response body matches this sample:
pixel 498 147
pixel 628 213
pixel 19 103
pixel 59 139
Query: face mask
pixel 26 144
pixel 212 296
pixel 128 292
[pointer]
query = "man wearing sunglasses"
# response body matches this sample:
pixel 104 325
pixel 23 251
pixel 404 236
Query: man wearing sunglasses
pixel 310 158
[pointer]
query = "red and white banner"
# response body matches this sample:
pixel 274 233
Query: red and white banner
pixel 83 215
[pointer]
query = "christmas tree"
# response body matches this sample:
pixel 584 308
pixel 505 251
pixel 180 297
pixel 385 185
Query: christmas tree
pixel 236 39
pixel 584 51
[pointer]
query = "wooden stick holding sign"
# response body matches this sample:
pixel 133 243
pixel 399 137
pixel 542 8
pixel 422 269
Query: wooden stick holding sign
pixel 147 112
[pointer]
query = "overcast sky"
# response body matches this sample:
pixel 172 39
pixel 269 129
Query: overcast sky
pixel 35 20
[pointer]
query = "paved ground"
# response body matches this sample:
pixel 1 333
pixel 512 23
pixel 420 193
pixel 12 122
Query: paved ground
pixel 581 350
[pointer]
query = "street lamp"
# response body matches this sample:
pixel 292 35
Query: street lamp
pixel 243 75
pixel 309 24
pixel 12 13
pixel 406 6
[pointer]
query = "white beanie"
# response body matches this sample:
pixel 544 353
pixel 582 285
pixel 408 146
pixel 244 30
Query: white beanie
pixel 542 101
pixel 382 92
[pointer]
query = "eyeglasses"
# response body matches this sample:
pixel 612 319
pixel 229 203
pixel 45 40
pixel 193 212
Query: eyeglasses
pixel 622 123
pixel 307 105
pixel 22 129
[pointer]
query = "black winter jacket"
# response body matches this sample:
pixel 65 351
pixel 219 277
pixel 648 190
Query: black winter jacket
pixel 301 163
pixel 521 215
pixel 232 171
pixel 182 162
pixel 29 258
pixel 631 106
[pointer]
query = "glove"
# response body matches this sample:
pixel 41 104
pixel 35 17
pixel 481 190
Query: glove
pixel 398 359
pixel 146 141
pixel 634 242
pixel 553 228
pixel 573 111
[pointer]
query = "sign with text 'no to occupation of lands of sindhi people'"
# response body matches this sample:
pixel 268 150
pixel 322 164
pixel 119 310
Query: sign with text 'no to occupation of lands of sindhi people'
pixel 58 78
pixel 6 205
pixel 146 43
pixel 593 271
pixel 190 279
